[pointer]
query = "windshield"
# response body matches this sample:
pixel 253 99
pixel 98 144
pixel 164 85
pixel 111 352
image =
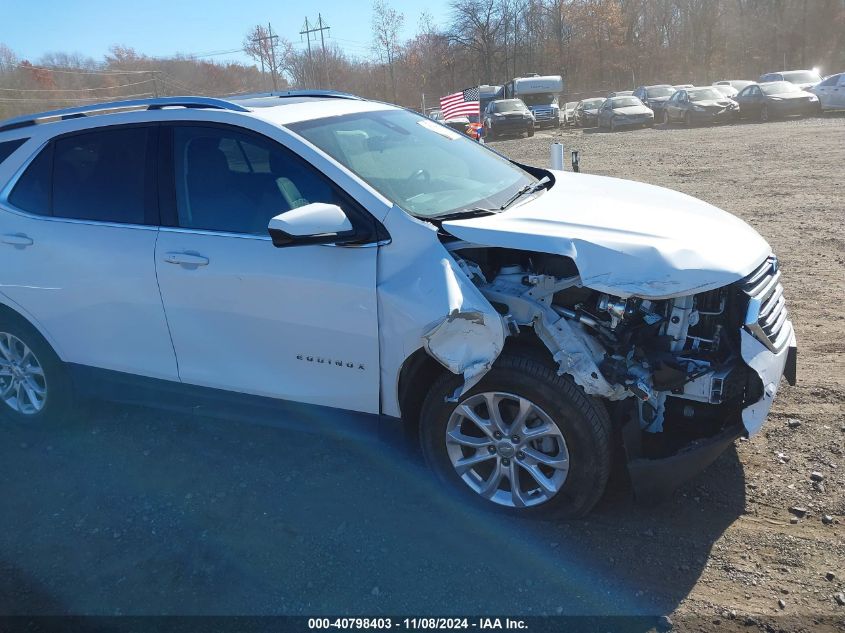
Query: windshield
pixel 704 94
pixel 779 88
pixel 543 98
pixel 590 104
pixel 625 102
pixel 801 77
pixel 512 105
pixel 423 167
pixel 659 91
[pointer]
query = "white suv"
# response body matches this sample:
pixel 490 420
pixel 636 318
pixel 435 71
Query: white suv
pixel 321 249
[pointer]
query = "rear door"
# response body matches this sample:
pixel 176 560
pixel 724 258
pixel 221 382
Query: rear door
pixel 298 323
pixel 78 229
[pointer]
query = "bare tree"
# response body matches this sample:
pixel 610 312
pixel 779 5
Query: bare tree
pixel 387 22
pixel 275 54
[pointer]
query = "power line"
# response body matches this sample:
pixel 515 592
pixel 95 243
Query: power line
pixel 61 99
pixel 136 83
pixel 81 72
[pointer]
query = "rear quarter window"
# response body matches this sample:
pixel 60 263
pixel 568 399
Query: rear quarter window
pixel 8 147
pixel 32 191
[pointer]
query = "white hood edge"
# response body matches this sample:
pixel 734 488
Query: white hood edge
pixel 626 238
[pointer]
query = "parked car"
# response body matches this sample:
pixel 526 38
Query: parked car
pixel 831 92
pixel 507 117
pixel 567 114
pixel 355 261
pixel 459 124
pixel 655 97
pixel 587 112
pixel 700 105
pixel 801 78
pixel 775 99
pixel 435 115
pixel 619 112
pixel 737 84
pixel 620 93
pixel 727 90
pixel 683 86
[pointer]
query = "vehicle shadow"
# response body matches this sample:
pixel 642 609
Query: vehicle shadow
pixel 134 511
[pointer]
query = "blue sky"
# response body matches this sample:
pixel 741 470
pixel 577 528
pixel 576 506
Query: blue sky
pixel 165 27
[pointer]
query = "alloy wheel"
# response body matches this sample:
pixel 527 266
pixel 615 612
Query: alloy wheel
pixel 507 449
pixel 23 386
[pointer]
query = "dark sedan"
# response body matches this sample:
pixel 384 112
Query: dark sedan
pixel 587 112
pixel 700 105
pixel 655 97
pixel 774 99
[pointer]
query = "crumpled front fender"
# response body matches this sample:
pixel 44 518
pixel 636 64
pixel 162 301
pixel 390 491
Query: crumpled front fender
pixel 420 282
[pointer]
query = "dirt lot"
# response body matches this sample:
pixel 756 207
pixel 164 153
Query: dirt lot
pixel 129 511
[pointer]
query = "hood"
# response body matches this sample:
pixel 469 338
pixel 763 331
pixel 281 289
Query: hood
pixel 791 95
pixel 626 238
pixel 636 109
pixel 713 103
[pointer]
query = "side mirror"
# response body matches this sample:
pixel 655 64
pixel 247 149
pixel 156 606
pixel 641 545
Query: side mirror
pixel 315 223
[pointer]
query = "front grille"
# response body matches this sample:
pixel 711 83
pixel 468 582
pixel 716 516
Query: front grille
pixel 766 315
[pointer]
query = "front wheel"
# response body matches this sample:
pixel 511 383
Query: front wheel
pixel 665 118
pixel 764 114
pixel 530 131
pixel 688 119
pixel 524 440
pixel 34 385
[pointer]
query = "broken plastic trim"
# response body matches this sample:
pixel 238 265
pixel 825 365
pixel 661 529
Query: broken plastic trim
pixel 463 344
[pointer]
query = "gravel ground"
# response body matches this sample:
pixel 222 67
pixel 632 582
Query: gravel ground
pixel 133 511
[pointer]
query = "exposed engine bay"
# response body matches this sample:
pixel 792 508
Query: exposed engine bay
pixel 672 365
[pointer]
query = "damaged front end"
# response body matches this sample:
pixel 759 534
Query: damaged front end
pixel 683 377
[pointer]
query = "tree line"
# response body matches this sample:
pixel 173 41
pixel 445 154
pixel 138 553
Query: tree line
pixel 597 45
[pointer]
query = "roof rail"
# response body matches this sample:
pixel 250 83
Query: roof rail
pixel 332 94
pixel 156 103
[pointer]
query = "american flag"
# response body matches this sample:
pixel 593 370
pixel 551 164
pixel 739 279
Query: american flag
pixel 464 103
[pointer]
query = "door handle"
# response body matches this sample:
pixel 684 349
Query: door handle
pixel 20 240
pixel 186 259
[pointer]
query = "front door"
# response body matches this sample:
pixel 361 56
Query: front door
pixel 297 323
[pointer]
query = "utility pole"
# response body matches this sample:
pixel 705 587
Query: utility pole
pixel 322 28
pixel 306 31
pixel 272 52
pixel 319 28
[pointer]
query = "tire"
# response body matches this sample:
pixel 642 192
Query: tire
pixel 44 376
pixel 560 407
pixel 764 114
pixel 665 118
pixel 530 131
pixel 688 119
pixel 612 125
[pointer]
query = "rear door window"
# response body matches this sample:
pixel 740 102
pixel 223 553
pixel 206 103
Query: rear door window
pixel 103 175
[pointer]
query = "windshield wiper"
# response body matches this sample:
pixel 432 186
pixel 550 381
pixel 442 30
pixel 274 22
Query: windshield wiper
pixel 460 215
pixel 543 183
